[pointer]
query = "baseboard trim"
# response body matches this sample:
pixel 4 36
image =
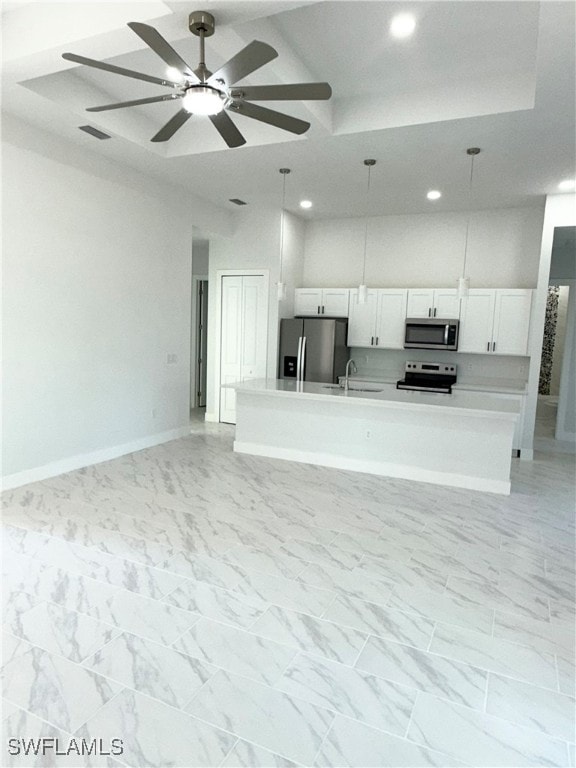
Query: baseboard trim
pixel 384 469
pixel 79 461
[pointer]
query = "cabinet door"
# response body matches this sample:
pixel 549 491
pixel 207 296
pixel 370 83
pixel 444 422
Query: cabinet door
pixel 307 301
pixel 420 302
pixel 362 321
pixel 391 318
pixel 335 302
pixel 446 303
pixel 476 321
pixel 511 321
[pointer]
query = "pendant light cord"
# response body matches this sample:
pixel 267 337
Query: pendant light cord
pixel 284 172
pixel 366 226
pixel 469 214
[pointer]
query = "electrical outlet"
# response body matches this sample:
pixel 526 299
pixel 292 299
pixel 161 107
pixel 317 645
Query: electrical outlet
pixel 171 359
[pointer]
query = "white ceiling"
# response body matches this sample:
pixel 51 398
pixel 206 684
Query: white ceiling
pixel 498 75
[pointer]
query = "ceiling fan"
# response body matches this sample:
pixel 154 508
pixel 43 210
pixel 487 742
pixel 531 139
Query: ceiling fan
pixel 212 93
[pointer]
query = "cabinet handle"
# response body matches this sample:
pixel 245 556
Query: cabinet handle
pixel 376 340
pixel 372 341
pixel 429 312
pixel 318 311
pixel 323 308
pixel 488 347
pixel 434 311
pixel 493 346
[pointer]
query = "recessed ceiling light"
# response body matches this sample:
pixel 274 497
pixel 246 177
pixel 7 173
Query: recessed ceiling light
pixel 434 194
pixel 402 25
pixel 568 185
pixel 305 204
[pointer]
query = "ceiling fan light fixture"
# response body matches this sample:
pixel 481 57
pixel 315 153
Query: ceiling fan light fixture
pixel 204 100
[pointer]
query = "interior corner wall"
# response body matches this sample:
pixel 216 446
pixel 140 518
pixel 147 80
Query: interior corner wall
pixel 96 295
pixel 254 245
pixel 560 211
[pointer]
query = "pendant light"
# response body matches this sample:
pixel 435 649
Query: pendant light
pixel 280 284
pixel 362 288
pixel 464 281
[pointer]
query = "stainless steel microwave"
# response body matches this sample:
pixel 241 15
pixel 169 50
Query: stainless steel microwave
pixel 431 333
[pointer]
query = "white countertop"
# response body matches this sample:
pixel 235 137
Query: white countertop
pixel 479 384
pixel 472 403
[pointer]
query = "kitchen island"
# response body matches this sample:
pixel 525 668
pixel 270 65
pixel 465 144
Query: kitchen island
pixel 463 439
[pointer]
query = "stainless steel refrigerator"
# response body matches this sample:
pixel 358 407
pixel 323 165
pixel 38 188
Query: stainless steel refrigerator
pixel 313 349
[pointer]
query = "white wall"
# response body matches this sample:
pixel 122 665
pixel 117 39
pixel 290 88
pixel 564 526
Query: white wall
pixel 200 257
pixel 292 260
pixel 426 250
pixel 96 294
pixel 255 244
pixel 560 211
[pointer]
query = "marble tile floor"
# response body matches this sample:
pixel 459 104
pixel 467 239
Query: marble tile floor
pixel 213 609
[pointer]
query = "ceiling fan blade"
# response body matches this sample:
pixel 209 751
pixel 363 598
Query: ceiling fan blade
pixel 119 70
pixel 252 57
pixel 154 40
pixel 227 129
pixel 296 91
pixel 265 115
pixel 136 102
pixel 176 122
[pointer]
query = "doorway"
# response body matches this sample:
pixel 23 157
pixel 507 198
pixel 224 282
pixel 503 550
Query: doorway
pixel 199 346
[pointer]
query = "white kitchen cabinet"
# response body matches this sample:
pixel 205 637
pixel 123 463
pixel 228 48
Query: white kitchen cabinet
pixel 380 321
pixel 511 322
pixel 329 302
pixel 433 302
pixel 495 321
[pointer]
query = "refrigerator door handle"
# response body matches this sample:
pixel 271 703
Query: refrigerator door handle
pixel 299 359
pixel 303 358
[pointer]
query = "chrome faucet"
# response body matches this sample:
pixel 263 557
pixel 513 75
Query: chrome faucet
pixel 354 370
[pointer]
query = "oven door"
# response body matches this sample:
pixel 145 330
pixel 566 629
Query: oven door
pixel 431 334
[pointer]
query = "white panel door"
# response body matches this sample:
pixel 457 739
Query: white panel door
pixel 254 328
pixel 307 301
pixel 362 320
pixel 420 302
pixel 511 321
pixel 391 318
pixel 230 345
pixel 335 302
pixel 476 321
pixel 446 303
pixel 244 334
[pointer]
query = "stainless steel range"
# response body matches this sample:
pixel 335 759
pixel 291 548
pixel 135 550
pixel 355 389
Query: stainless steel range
pixel 428 377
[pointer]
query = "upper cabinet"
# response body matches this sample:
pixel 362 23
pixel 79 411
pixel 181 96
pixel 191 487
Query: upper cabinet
pixel 328 302
pixel 496 321
pixel 380 321
pixel 433 302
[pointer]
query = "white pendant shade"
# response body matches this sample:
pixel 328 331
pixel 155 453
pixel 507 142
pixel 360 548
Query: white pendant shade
pixel 463 287
pixel 362 294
